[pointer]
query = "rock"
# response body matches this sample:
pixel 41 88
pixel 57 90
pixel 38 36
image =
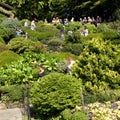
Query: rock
pixel 2 106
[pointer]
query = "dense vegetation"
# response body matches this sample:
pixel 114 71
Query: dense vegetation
pixel 95 80
pixel 64 8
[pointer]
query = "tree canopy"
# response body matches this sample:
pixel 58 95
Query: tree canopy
pixel 42 9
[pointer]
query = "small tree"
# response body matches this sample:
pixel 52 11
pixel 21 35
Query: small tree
pixel 54 93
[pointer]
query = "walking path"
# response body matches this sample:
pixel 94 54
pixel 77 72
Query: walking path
pixel 11 114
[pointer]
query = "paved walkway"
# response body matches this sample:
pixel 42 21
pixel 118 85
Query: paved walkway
pixel 11 114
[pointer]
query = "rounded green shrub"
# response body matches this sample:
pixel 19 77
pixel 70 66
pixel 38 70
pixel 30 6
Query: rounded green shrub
pixel 54 93
pixel 48 28
pixel 22 45
pixel 12 25
pixel 6 57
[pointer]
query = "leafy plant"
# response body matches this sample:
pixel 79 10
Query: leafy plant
pixel 12 25
pixel 55 92
pixel 21 45
pixel 96 66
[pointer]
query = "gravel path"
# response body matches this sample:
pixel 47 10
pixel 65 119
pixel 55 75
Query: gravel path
pixel 11 114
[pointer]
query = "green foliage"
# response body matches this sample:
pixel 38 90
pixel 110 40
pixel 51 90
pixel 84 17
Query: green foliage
pixel 47 28
pixel 5 12
pixel 55 92
pixel 2 47
pixel 1 40
pixel 12 93
pixel 111 34
pixel 102 28
pixel 67 114
pixel 91 28
pixel 74 37
pixel 74 26
pixel 2 17
pixel 97 66
pixel 24 20
pixel 87 39
pixel 38 36
pixel 12 25
pixel 79 115
pixel 22 45
pixel 54 45
pixel 26 69
pixel 4 33
pixel 62 66
pixel 6 57
pixel 104 95
pixel 75 48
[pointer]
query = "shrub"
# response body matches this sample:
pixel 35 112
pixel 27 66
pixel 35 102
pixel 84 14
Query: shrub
pixel 75 37
pixel 23 21
pixel 6 57
pixel 54 93
pixel 1 40
pixel 103 96
pixel 91 28
pixel 21 45
pixel 67 114
pixel 4 33
pixel 75 48
pixel 12 25
pixel 38 36
pixel 97 66
pixel 12 93
pixel 111 34
pixel 87 39
pixel 102 28
pixel 2 17
pixel 74 26
pixel 2 47
pixel 48 28
pixel 54 45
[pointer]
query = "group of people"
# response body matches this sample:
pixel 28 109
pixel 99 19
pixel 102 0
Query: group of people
pixel 32 25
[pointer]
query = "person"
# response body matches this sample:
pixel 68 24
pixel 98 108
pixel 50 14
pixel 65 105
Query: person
pixel 70 64
pixel 26 24
pixel 33 25
pixel 41 71
pixel 72 19
pixel 26 35
pixel 18 32
pixel 62 31
pixel 85 31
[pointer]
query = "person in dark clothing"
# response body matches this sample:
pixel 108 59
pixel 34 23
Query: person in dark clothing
pixel 41 71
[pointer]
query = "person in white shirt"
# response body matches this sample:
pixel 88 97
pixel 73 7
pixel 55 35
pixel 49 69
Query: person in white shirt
pixel 33 25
